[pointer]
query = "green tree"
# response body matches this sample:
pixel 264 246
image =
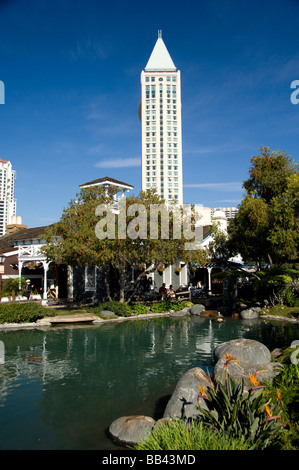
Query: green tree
pixel 75 238
pixel 265 228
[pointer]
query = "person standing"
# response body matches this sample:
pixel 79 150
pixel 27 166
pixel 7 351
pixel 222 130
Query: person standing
pixel 28 289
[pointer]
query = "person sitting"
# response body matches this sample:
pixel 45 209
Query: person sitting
pixel 163 290
pixel 170 292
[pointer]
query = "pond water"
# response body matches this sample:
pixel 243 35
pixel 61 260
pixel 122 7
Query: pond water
pixel 61 387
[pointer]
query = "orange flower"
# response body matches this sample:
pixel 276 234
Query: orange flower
pixel 270 416
pixel 268 411
pixel 254 380
pixel 201 393
pixel 230 358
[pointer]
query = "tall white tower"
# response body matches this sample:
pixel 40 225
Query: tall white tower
pixel 161 125
pixel 7 190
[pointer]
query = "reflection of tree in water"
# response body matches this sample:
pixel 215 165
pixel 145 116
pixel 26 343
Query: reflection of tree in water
pixel 93 375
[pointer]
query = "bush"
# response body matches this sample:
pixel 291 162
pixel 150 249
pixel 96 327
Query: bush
pixel 236 412
pixel 139 309
pixel 11 287
pixel 167 305
pixel 180 435
pixel 277 285
pixel 120 309
pixel 23 312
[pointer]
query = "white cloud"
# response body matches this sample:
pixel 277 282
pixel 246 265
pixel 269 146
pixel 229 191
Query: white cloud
pixel 119 163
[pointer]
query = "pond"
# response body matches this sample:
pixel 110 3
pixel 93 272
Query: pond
pixel 61 387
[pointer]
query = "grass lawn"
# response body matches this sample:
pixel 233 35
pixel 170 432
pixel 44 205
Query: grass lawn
pixel 282 311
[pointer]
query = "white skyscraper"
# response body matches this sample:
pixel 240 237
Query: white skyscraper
pixel 161 125
pixel 7 190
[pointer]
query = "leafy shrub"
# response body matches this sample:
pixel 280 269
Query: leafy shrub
pixel 120 309
pixel 180 435
pixel 276 284
pixel 139 309
pixel 167 305
pixel 23 312
pixel 11 287
pixel 233 411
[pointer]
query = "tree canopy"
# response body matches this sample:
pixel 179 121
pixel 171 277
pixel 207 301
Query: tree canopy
pixel 265 228
pixel 84 237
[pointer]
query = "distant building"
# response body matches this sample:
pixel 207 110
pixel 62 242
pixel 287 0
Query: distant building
pixel 230 212
pixel 161 126
pixel 7 191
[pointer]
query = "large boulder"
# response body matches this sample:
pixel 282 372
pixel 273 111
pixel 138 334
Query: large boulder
pixel 183 402
pixel 241 357
pixel 180 313
pixel 249 313
pixel 197 309
pixel 131 430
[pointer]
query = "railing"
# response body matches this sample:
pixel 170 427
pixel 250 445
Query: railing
pixel 31 252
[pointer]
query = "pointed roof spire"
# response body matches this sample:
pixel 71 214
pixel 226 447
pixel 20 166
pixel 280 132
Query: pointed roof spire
pixel 160 60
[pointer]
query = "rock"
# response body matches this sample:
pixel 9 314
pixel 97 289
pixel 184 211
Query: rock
pixel 213 313
pixel 131 430
pixel 249 313
pixel 197 309
pixel 277 352
pixel 248 350
pixel 180 313
pixel 241 357
pixel 183 401
pixel 107 314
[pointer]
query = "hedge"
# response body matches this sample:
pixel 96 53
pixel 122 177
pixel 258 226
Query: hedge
pixel 22 312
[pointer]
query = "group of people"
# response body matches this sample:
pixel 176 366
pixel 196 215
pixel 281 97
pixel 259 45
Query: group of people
pixel 167 293
pixel 29 288
pixel 170 293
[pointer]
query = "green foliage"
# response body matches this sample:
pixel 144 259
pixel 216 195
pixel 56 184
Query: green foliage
pixel 180 435
pixel 120 309
pixel 276 285
pixel 236 412
pixel 77 238
pixel 286 384
pixel 266 226
pixel 139 309
pixel 167 305
pixel 11 287
pixel 26 312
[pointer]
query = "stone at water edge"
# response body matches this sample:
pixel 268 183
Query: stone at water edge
pixel 247 350
pixel 131 430
pixel 241 357
pixel 249 314
pixel 183 402
pixel 197 309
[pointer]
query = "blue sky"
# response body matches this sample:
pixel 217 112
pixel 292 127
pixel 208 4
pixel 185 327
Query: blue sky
pixel 72 68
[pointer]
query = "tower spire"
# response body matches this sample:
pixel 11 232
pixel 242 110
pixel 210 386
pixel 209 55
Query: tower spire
pixel 159 33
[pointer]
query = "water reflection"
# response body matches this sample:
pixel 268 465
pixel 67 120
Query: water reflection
pixel 68 384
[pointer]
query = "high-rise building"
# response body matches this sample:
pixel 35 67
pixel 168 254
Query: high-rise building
pixel 7 200
pixel 161 125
